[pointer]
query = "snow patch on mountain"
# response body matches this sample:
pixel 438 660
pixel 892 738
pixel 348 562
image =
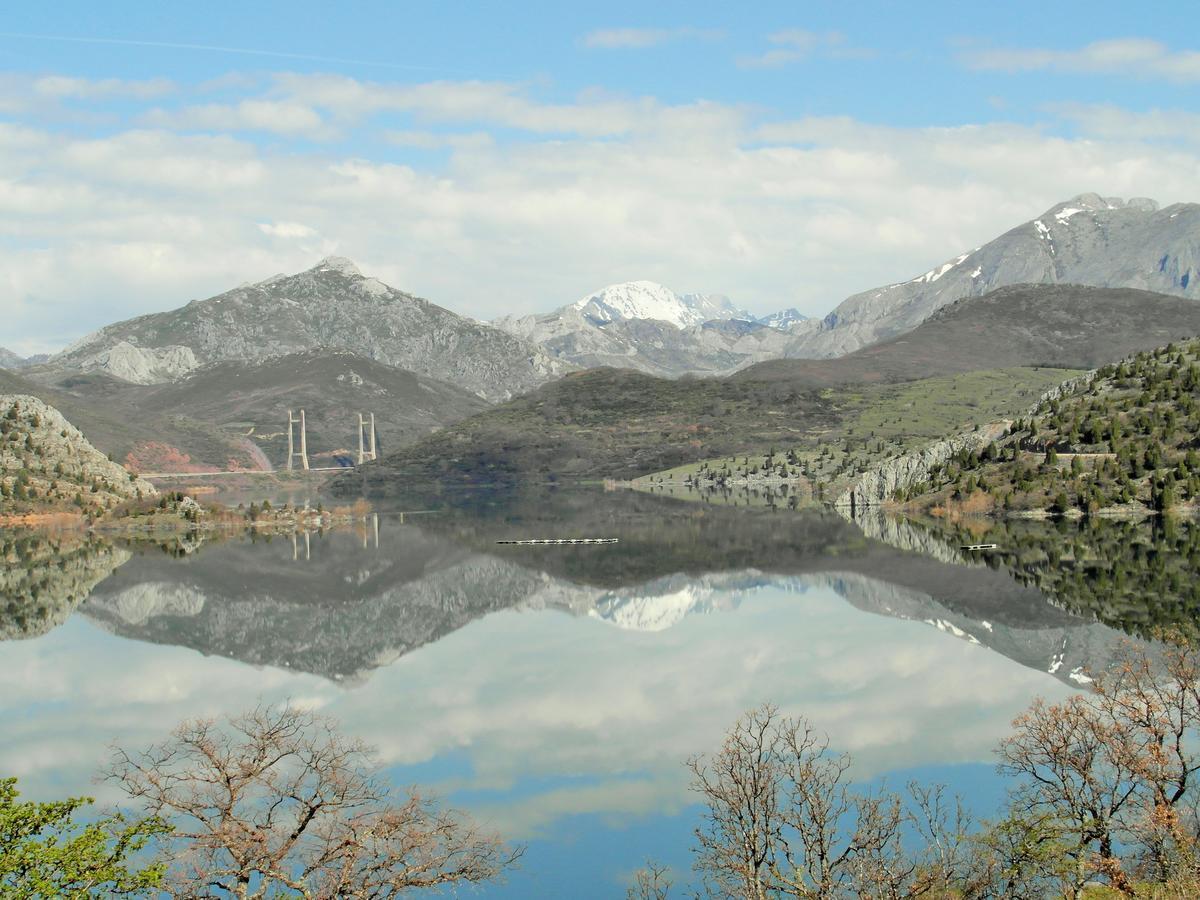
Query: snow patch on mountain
pixel 651 300
pixel 665 602
pixel 783 319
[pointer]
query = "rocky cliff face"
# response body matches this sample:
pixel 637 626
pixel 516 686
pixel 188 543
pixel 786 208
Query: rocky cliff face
pixel 331 306
pixel 903 535
pixel 881 483
pixel 1088 240
pixel 45 460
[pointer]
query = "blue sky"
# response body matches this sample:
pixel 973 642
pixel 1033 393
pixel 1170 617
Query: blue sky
pixel 501 160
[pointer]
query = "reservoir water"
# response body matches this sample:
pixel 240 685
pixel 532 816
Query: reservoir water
pixel 555 691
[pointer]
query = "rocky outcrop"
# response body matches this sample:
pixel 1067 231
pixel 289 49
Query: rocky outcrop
pixel 142 365
pixel 1068 387
pixel 881 483
pixel 45 459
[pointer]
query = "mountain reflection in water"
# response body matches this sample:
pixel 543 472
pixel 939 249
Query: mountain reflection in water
pixel 537 685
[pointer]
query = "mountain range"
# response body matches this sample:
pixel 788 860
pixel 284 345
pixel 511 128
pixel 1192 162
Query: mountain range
pixel 334 311
pixel 331 306
pixel 1087 240
pixel 645 326
pixel 616 423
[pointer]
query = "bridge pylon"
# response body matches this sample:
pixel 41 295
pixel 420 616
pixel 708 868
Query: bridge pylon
pixel 366 449
pixel 292 452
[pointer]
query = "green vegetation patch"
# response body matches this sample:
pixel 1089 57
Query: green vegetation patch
pixel 1125 438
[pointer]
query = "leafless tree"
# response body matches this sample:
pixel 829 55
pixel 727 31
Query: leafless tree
pixel 1074 776
pixel 739 839
pixel 1116 767
pixel 276 802
pixel 783 820
pixel 651 882
pixel 1158 703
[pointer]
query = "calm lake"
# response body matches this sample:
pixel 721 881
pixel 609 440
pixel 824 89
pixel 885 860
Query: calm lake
pixel 556 691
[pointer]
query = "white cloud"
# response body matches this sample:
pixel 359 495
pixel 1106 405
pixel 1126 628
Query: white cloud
pixel 534 203
pixel 279 116
pixel 1137 57
pixel 66 88
pixel 594 114
pixel 641 38
pixel 54 95
pixel 1114 123
pixel 432 140
pixel 286 229
pixel 795 45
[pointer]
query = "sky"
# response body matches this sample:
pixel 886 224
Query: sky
pixel 511 158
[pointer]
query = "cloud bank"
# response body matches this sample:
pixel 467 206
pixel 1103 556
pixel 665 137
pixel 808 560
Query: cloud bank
pixel 488 199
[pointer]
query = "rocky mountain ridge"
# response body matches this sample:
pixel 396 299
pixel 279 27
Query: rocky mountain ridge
pixel 10 360
pixel 619 424
pixel 1087 240
pixel 331 306
pixel 645 326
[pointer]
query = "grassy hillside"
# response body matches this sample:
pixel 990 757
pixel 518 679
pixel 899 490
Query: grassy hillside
pixel 1125 438
pixel 1064 325
pixel 878 421
pixel 251 400
pixel 105 410
pixel 234 414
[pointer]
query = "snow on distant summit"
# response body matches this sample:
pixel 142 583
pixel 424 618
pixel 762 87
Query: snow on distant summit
pixel 645 326
pixel 650 300
pixel 783 320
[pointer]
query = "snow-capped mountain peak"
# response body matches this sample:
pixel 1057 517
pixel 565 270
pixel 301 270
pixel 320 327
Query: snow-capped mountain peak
pixel 650 300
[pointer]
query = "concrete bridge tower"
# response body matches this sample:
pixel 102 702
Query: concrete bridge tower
pixel 368 451
pixel 292 453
